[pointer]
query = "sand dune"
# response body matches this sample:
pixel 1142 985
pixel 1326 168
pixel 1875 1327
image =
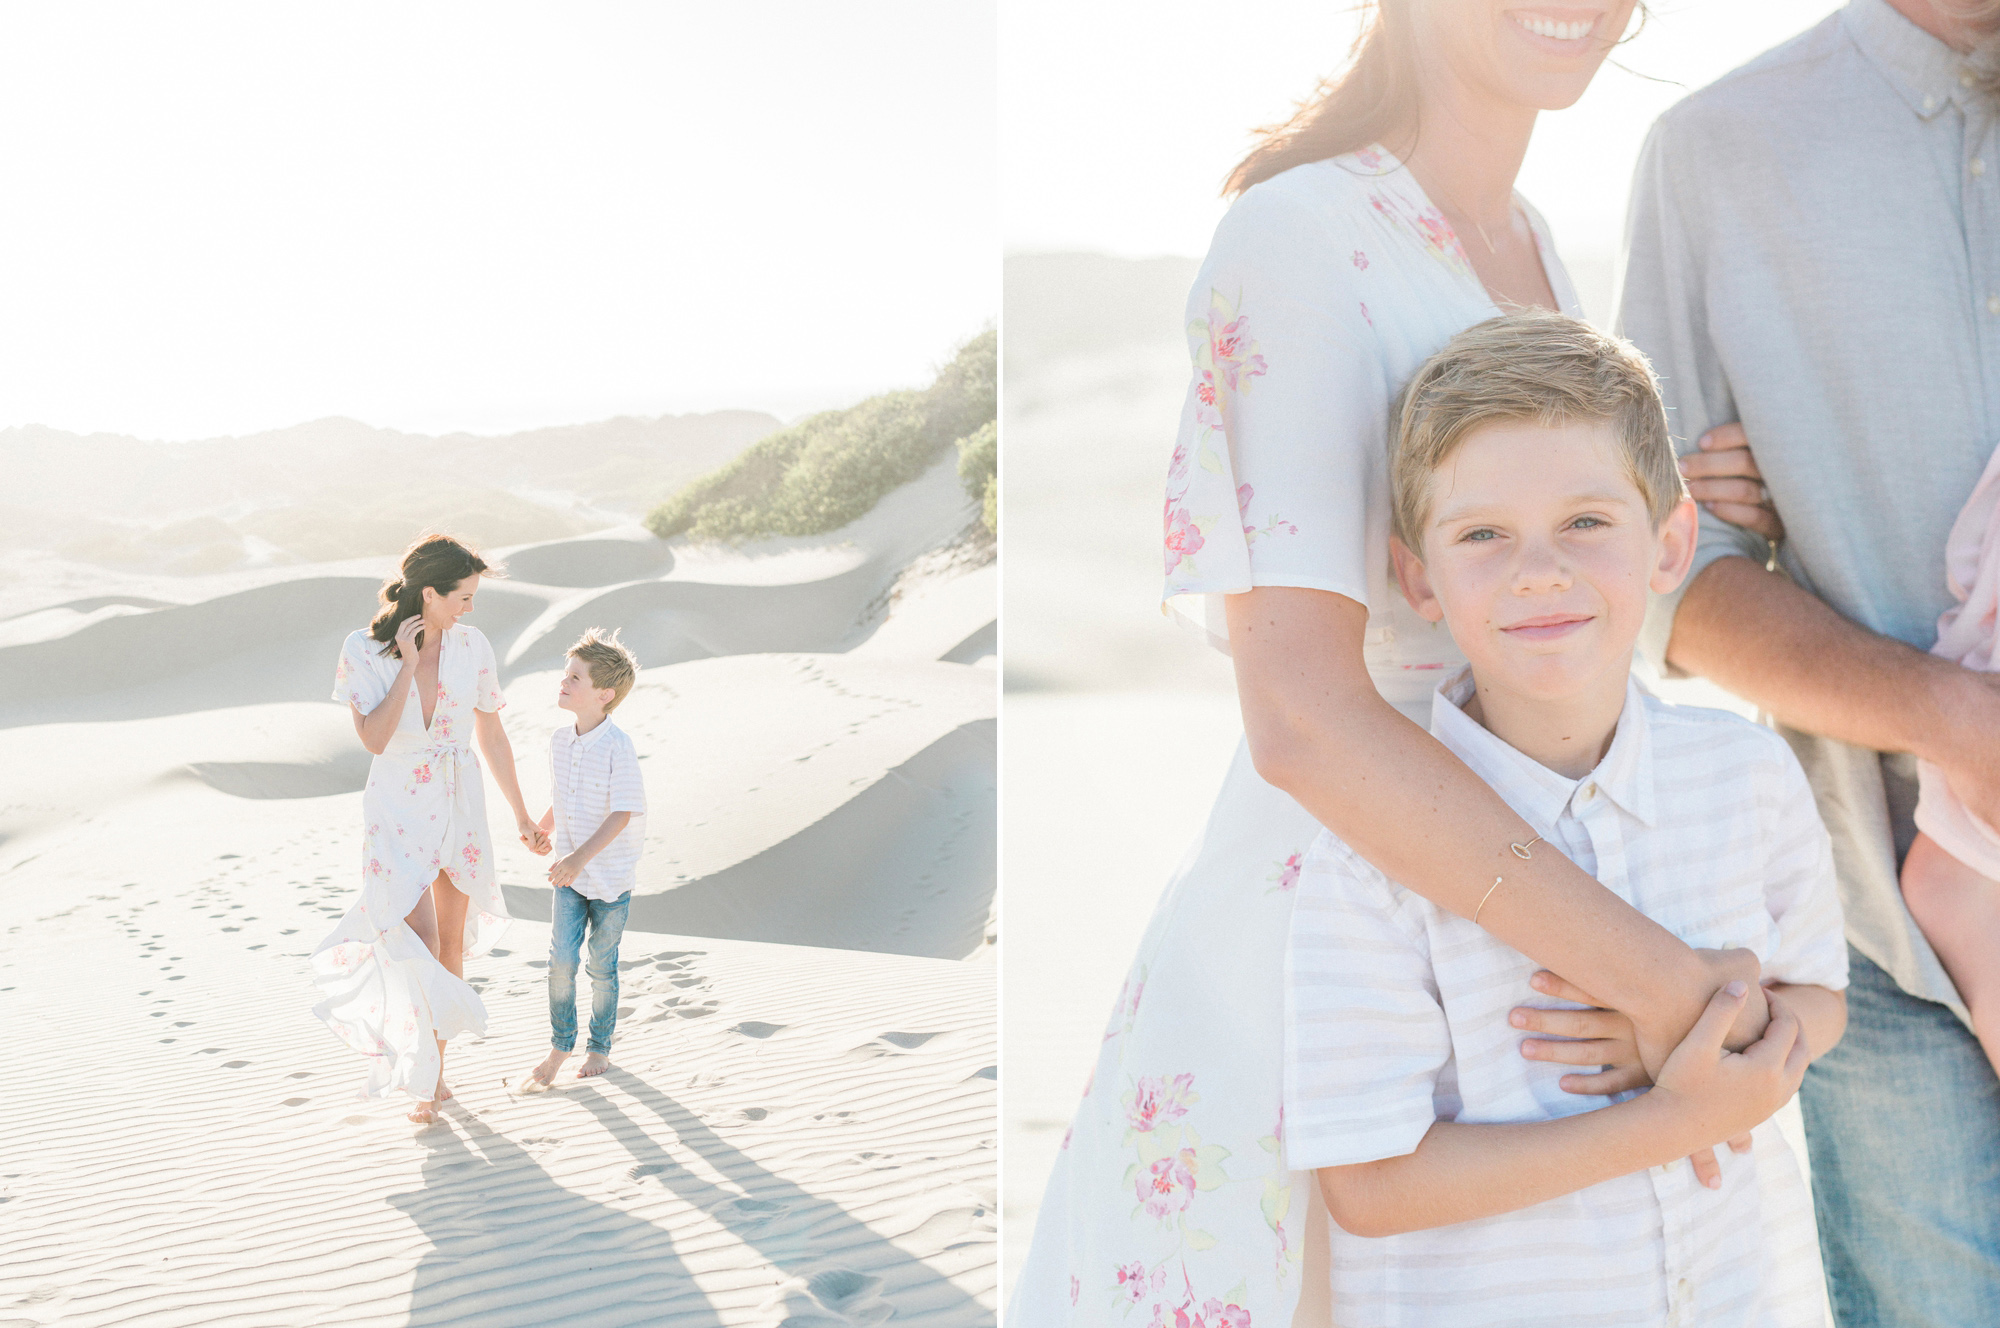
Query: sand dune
pixel 797 1133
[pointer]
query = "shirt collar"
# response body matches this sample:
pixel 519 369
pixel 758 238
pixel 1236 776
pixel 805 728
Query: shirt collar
pixel 587 740
pixel 1926 73
pixel 1539 794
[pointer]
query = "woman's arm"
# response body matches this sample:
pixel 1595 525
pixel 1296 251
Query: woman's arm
pixel 499 754
pixel 1318 729
pixel 1460 1173
pixel 379 725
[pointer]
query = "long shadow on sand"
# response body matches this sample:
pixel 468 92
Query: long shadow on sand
pixel 480 1189
pixel 509 1245
pixel 849 1271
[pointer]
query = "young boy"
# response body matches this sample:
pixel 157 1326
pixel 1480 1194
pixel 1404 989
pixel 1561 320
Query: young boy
pixel 598 805
pixel 1536 501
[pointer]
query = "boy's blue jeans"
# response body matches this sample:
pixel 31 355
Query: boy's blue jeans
pixel 566 932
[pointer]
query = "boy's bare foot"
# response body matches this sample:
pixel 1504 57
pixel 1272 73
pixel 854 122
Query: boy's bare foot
pixel 595 1063
pixel 424 1113
pixel 542 1076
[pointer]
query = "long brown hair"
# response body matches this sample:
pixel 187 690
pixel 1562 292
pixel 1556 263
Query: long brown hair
pixel 1374 98
pixel 437 561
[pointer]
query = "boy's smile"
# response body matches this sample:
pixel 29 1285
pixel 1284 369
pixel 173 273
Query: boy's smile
pixel 1539 555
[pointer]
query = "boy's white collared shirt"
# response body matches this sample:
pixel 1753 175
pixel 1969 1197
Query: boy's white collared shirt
pixel 1397 1017
pixel 590 777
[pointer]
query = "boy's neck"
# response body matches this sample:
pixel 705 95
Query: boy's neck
pixel 1569 735
pixel 585 723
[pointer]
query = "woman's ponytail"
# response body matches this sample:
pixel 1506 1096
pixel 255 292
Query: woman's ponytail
pixel 437 561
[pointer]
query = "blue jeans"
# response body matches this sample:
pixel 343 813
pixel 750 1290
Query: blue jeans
pixel 1903 1124
pixel 607 924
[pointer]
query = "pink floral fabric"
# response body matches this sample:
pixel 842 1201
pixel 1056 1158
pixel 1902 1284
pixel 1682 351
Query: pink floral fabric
pixel 424 812
pixel 1171 1204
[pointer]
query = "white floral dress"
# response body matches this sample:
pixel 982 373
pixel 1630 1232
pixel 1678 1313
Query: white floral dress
pixel 1171 1205
pixel 381 989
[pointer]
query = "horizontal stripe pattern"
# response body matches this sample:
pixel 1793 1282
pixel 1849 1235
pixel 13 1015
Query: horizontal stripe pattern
pixel 1396 1017
pixel 591 777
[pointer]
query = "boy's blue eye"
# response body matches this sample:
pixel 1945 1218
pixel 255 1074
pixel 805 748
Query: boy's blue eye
pixel 1586 522
pixel 1481 534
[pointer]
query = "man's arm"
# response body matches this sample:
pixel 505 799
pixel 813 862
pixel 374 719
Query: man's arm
pixel 1757 634
pixel 1460 1173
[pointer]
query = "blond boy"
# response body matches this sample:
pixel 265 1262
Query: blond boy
pixel 1470 1179
pixel 597 804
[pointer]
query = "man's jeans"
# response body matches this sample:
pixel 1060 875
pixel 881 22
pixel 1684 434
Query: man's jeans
pixel 607 924
pixel 1903 1124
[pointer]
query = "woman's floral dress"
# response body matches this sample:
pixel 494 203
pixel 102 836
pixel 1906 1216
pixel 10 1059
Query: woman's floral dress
pixel 1326 287
pixel 424 807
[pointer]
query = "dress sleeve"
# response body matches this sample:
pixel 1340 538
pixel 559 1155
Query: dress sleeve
pixel 1285 424
pixel 357 679
pixel 486 693
pixel 1663 309
pixel 628 786
pixel 1799 885
pixel 1365 1035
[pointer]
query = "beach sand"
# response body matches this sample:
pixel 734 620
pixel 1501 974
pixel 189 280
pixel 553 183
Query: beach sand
pixel 801 1126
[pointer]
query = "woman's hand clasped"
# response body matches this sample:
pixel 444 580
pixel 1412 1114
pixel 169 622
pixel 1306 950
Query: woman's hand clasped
pixel 1605 1040
pixel 532 835
pixel 1722 476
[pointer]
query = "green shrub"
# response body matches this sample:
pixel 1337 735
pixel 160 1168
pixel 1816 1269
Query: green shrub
pixel 978 466
pixel 831 468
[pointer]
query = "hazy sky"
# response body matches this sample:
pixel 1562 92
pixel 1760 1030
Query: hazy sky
pixel 1116 137
pixel 225 217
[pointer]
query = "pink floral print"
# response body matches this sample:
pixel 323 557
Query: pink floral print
pixel 1226 360
pixel 1159 1101
pixel 1287 874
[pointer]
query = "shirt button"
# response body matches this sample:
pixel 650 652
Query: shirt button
pixel 1993 304
pixel 1965 79
pixel 1589 792
pixel 1930 104
pixel 1979 165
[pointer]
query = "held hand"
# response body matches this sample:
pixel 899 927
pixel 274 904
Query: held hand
pixel 532 836
pixel 406 639
pixel 564 869
pixel 1716 1094
pixel 1723 477
pixel 1601 1038
pixel 1661 1030
pixel 1607 1041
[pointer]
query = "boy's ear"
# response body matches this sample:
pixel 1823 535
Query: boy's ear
pixel 1415 581
pixel 1676 548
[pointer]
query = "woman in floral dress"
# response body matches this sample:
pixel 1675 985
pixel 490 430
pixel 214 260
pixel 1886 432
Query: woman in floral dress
pixel 420 686
pixel 1341 267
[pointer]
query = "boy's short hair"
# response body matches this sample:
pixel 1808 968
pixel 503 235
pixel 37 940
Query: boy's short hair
pixel 1534 365
pixel 610 664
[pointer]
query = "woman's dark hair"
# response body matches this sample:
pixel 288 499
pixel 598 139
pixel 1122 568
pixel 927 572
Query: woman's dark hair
pixel 1373 100
pixel 437 561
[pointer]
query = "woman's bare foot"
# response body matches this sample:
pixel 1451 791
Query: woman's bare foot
pixel 444 1091
pixel 595 1063
pixel 542 1076
pixel 424 1113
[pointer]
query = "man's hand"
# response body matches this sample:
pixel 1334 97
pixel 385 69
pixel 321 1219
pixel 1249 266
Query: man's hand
pixel 1723 477
pixel 564 870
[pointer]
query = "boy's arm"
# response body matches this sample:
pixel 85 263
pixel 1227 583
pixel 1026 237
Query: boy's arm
pixel 603 835
pixel 1459 1173
pixel 1822 1014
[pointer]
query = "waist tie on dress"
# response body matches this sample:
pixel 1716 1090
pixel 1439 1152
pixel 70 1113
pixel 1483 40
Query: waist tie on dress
pixel 448 762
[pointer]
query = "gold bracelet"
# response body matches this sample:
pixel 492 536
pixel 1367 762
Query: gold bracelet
pixel 1520 851
pixel 1482 900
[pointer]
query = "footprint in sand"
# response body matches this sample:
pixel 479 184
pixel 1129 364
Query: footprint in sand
pixel 890 1044
pixel 840 1294
pixel 752 1029
pixel 295 1101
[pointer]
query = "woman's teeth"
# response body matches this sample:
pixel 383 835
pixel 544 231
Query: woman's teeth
pixel 1543 27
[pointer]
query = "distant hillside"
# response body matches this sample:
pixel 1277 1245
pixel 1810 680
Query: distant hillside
pixel 337 488
pixel 831 468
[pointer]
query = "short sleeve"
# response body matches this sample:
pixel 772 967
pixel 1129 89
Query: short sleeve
pixel 486 693
pixel 1365 1035
pixel 1800 889
pixel 628 786
pixel 357 679
pixel 1663 310
pixel 1285 424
